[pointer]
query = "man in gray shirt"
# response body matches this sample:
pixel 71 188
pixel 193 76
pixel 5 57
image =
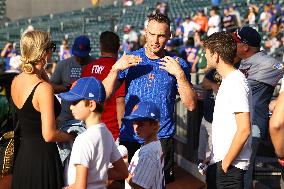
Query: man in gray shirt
pixel 67 72
pixel 263 73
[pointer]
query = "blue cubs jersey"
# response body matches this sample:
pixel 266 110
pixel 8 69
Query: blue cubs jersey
pixel 147 82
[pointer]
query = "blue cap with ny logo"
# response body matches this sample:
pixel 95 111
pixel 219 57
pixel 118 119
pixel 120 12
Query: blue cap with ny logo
pixel 86 88
pixel 144 111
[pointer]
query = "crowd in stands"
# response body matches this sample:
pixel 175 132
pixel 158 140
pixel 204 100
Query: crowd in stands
pixel 136 103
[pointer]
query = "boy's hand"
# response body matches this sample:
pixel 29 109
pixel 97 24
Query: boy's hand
pixel 224 166
pixel 126 61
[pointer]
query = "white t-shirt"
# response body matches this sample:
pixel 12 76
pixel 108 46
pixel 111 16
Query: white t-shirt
pixel 147 167
pixel 234 95
pixel 189 27
pixel 214 24
pixel 94 149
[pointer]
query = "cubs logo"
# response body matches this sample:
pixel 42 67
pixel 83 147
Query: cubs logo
pixel 135 108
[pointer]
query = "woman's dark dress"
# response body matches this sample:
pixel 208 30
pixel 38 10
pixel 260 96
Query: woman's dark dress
pixel 37 164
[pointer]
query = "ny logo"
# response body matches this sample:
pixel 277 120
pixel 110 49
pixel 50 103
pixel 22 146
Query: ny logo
pixel 151 78
pixel 97 69
pixel 135 108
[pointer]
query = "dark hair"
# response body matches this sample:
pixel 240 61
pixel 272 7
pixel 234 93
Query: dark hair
pixel 190 41
pixel 99 106
pixel 161 18
pixel 223 44
pixel 109 42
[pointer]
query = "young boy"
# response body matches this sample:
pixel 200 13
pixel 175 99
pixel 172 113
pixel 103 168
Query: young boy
pixel 146 166
pixel 231 126
pixel 94 149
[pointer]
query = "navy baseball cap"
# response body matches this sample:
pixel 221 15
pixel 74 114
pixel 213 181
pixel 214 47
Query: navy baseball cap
pixel 247 35
pixel 81 46
pixel 144 111
pixel 87 88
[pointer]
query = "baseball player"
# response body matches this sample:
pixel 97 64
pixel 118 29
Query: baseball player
pixel 146 166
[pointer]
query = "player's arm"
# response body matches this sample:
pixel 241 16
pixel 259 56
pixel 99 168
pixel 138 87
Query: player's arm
pixel 111 83
pixel 118 171
pixel 185 89
pixel 120 109
pixel 239 140
pixel 276 126
pixel 81 178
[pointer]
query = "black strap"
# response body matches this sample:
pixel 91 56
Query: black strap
pixel 32 93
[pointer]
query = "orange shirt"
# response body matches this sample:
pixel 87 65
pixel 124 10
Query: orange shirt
pixel 203 22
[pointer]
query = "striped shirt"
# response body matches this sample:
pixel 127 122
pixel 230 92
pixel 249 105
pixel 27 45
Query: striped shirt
pixel 147 82
pixel 147 166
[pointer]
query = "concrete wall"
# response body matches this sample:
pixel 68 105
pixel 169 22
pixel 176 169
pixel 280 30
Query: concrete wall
pixel 17 9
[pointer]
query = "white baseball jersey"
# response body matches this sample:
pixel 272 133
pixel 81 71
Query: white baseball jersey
pixel 147 167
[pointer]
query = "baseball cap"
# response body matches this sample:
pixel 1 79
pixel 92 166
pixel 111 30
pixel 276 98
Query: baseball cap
pixel 88 88
pixel 170 43
pixel 144 111
pixel 81 46
pixel 247 35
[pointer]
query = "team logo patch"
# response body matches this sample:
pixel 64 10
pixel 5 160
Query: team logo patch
pixel 278 66
pixel 135 108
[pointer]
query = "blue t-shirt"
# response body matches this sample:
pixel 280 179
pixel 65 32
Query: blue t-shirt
pixel 147 82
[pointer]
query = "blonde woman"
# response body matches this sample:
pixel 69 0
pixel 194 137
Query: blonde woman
pixel 37 164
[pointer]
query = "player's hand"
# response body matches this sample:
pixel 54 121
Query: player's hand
pixel 171 65
pixel 126 61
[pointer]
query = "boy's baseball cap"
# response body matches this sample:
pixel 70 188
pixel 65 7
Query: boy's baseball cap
pixel 144 111
pixel 81 46
pixel 247 35
pixel 88 88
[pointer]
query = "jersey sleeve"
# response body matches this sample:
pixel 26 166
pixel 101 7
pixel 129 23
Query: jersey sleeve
pixel 80 153
pixel 144 172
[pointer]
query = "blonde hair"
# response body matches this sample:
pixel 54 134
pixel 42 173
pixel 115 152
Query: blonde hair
pixel 33 47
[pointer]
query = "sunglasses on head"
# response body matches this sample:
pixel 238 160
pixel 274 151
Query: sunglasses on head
pixel 51 46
